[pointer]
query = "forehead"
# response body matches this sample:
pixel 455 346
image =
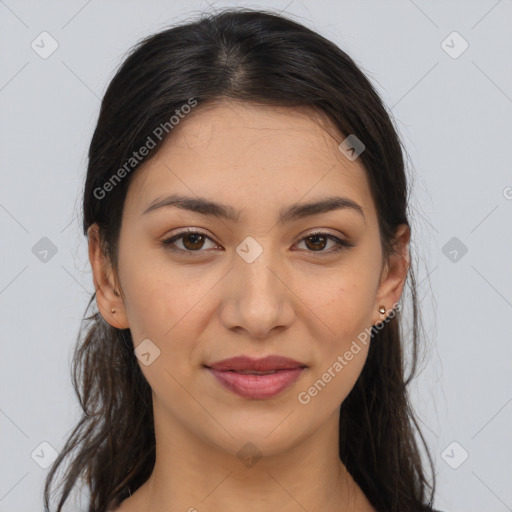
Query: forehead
pixel 248 128
pixel 239 150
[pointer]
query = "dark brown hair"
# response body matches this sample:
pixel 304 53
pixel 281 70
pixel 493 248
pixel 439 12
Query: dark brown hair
pixel 258 57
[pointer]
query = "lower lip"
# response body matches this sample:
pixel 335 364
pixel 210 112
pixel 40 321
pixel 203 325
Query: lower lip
pixel 257 386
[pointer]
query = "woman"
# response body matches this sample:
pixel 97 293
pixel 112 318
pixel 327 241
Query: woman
pixel 245 207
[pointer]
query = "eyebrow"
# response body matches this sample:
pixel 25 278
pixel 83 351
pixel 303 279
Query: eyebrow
pixel 293 212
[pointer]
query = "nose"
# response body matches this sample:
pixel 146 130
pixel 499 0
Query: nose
pixel 258 297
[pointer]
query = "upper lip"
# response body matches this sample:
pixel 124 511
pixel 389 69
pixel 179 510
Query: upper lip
pixel 242 363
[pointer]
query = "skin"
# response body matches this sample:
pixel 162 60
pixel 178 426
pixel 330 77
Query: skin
pixel 213 305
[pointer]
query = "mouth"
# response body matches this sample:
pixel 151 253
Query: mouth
pixel 256 378
pixel 262 365
pixel 254 372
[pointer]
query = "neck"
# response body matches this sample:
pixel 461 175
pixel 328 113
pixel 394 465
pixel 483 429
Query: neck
pixel 192 475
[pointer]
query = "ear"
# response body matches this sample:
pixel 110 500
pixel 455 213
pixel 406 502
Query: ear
pixel 394 274
pixel 107 296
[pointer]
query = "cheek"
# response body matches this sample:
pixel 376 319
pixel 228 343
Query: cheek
pixel 165 308
pixel 145 303
pixel 167 304
pixel 334 377
pixel 342 311
pixel 343 304
pixel 158 294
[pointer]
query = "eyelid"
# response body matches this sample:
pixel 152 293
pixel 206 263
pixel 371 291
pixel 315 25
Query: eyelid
pixel 167 242
pixel 340 241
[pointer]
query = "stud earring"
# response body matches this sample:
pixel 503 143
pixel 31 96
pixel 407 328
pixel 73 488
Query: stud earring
pixel 382 310
pixel 113 310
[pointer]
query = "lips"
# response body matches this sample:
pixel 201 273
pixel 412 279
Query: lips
pixel 256 378
pixel 247 364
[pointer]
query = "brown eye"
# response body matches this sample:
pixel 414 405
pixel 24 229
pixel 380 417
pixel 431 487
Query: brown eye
pixel 192 242
pixel 316 243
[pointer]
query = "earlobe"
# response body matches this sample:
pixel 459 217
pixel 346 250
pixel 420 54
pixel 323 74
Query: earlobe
pixel 394 273
pixel 109 302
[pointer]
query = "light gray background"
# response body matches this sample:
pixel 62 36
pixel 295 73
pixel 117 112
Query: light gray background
pixel 454 117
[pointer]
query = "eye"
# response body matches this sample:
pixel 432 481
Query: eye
pixel 318 241
pixel 193 241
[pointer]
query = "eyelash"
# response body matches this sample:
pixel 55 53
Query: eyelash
pixel 340 244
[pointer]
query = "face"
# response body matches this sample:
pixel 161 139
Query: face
pixel 303 286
